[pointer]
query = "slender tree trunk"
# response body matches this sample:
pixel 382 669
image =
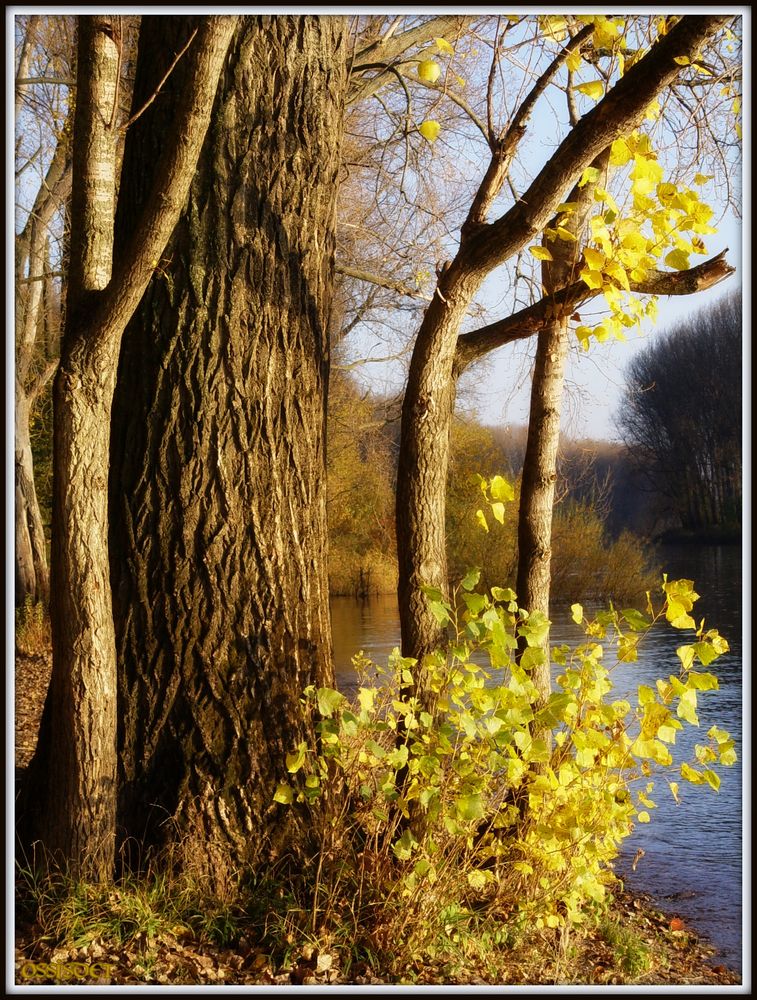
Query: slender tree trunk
pixel 537 494
pixel 217 484
pixel 78 768
pixel 69 798
pixel 32 574
pixel 32 578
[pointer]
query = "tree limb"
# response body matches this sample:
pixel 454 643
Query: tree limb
pixel 527 322
pixel 134 268
pixel 376 279
pixel 616 114
pixel 388 49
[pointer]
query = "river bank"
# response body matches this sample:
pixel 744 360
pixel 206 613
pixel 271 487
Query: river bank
pixel 637 943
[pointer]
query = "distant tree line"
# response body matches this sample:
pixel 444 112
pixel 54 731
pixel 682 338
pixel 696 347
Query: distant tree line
pixel 681 419
pixel 594 552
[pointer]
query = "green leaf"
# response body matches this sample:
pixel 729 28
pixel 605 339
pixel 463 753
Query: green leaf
pixel 439 611
pixel 475 603
pixel 470 807
pixel 478 878
pixel 329 701
pixel 470 579
pixel 403 847
pixel 283 794
pixel 503 594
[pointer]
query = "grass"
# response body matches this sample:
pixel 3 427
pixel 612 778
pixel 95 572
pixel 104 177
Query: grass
pixel 631 953
pixel 32 628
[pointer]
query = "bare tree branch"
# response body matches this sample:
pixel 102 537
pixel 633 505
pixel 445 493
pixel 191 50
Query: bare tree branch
pixel 375 279
pixel 389 49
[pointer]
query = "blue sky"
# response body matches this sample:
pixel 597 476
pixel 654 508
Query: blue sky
pixel 497 389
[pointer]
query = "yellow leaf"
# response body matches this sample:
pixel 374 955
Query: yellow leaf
pixel 703 178
pixel 594 259
pixel 444 46
pixel 620 153
pixel 567 207
pixel 541 253
pixel 666 193
pixel 653 111
pixel 634 241
pixel 601 333
pixel 583 333
pixel 677 259
pixel 589 176
pixel 553 27
pixel 565 234
pixel 617 271
pixel 573 62
pixel 430 130
pixel 429 71
pixel 594 89
pixel 593 279
pixel 601 195
pixel 643 816
pixel 682 60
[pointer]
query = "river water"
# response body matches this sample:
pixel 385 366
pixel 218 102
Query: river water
pixel 692 862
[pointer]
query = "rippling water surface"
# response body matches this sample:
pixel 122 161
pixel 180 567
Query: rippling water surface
pixel 692 861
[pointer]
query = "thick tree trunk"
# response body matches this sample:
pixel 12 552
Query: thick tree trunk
pixel 69 797
pixel 218 542
pixel 422 473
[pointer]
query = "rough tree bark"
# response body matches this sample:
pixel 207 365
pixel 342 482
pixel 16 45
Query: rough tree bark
pixel 69 796
pixel 218 538
pixel 429 396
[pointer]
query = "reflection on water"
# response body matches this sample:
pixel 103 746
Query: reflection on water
pixel 693 852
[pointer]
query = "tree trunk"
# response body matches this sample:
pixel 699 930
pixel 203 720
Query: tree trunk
pixel 74 764
pixel 32 577
pixel 218 539
pixel 537 494
pixel 69 797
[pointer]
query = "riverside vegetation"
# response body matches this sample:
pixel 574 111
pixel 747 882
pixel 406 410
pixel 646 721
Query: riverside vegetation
pixel 477 826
